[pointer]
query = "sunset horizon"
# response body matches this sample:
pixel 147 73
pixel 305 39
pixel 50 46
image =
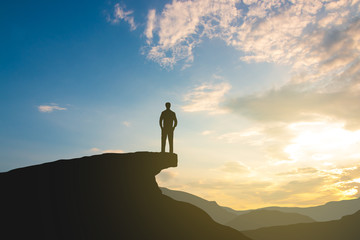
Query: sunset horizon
pixel 266 93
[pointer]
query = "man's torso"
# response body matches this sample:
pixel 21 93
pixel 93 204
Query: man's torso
pixel 168 116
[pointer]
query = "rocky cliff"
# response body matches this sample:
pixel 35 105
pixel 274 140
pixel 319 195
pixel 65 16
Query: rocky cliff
pixel 108 196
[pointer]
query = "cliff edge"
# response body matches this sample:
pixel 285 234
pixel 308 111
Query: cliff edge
pixel 108 196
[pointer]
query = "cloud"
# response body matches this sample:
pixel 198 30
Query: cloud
pixel 228 184
pixel 339 183
pixel 234 167
pixel 121 14
pixel 253 136
pixel 206 132
pixel 98 150
pixel 126 123
pixel 95 149
pixel 291 103
pixel 304 186
pixel 300 171
pixel 317 39
pixel 308 186
pixel 113 151
pixel 166 176
pixel 320 143
pixel 50 108
pixel 181 25
pixel 270 138
pixel 345 181
pixel 150 25
pixel 206 97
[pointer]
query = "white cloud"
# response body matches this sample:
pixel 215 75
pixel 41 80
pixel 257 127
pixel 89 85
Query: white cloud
pixel 50 108
pixel 206 97
pixel 121 14
pixel 150 25
pixel 307 35
pixel 181 25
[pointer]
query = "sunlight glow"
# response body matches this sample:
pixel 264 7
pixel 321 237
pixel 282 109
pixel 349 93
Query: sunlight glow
pixel 322 141
pixel 350 192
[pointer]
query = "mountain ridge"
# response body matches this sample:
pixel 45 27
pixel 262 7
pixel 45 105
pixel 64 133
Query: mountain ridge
pixel 216 212
pixel 333 210
pixel 347 228
pixel 266 218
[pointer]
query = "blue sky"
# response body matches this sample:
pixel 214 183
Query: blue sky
pixel 266 92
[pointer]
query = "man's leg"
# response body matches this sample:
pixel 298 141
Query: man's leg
pixel 171 138
pixel 163 140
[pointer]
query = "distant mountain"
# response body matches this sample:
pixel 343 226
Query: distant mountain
pixel 107 197
pixel 330 211
pixel 246 221
pixel 347 228
pixel 327 212
pixel 218 213
pixel 266 218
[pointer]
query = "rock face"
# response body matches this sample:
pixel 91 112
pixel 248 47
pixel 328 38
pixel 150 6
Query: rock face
pixel 108 196
pixel 216 212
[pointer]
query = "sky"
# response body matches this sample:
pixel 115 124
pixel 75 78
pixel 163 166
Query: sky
pixel 267 93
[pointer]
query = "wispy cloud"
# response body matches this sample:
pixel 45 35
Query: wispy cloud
pixel 178 28
pixel 302 171
pixel 252 136
pixel 121 14
pixel 206 132
pixel 317 39
pixel 50 108
pixel 97 150
pixel 290 188
pixel 234 167
pixel 113 151
pixel 166 176
pixel 206 97
pixel 293 103
pixel 126 123
pixel 151 21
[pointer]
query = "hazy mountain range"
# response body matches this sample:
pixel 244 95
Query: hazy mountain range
pixel 269 216
pixel 329 211
pixel 261 218
pixel 347 228
pixel 218 213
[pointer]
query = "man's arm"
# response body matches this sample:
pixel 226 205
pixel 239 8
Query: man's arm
pixel 161 120
pixel 175 121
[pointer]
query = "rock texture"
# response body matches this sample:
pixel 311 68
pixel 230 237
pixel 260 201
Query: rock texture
pixel 108 196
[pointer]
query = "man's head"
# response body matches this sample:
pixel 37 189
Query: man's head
pixel 167 105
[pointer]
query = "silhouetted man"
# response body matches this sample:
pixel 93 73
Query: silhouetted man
pixel 167 122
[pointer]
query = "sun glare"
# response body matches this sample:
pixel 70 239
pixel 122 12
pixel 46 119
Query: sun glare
pixel 350 192
pixel 319 141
